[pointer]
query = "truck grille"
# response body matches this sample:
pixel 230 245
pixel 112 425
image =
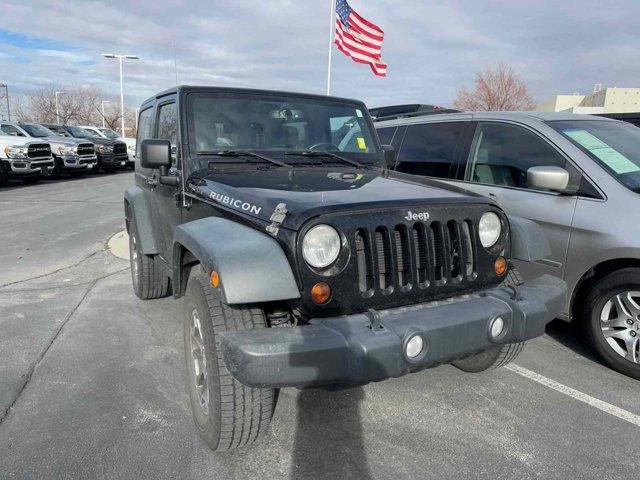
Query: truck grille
pixel 86 149
pixel 39 150
pixel 119 148
pixel 414 255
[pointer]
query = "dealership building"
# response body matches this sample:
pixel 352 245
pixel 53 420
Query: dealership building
pixel 601 101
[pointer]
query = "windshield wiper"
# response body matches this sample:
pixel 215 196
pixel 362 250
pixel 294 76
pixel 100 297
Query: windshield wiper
pixel 324 153
pixel 245 153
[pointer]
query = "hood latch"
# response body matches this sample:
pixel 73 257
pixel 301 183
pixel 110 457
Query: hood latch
pixel 277 217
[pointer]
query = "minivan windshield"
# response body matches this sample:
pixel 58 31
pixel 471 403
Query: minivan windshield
pixel 278 125
pixel 614 145
pixel 37 130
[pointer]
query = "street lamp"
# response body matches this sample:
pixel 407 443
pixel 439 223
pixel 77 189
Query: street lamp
pixel 120 58
pixel 6 89
pixel 102 108
pixel 57 110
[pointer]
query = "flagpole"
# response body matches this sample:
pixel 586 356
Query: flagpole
pixel 331 30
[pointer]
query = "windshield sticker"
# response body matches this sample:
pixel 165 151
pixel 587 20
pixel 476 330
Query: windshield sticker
pixel 359 112
pixel 362 145
pixel 610 156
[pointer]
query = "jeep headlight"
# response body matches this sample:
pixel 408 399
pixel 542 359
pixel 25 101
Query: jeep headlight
pixel 15 151
pixel 321 246
pixel 489 229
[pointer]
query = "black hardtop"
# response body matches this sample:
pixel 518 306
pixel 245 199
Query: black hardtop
pixel 183 90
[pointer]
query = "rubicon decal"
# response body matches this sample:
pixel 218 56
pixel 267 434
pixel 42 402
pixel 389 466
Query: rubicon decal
pixel 235 203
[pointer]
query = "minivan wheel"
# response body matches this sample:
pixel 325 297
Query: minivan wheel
pixel 227 413
pixel 611 319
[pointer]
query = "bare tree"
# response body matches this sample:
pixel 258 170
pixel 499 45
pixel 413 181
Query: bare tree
pixel 496 89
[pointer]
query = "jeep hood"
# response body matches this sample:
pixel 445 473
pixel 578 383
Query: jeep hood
pixel 309 192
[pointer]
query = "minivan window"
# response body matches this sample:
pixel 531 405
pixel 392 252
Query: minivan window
pixel 429 149
pixel 613 145
pixel 501 154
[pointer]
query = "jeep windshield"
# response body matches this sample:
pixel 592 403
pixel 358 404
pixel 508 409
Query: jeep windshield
pixel 614 145
pixel 278 125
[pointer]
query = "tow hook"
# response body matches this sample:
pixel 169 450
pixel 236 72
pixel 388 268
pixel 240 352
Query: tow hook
pixel 277 217
pixel 375 322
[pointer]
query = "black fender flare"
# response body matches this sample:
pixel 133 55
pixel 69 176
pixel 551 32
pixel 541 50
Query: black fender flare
pixel 137 210
pixel 251 265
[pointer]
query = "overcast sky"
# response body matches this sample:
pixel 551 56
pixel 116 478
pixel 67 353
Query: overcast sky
pixel 432 48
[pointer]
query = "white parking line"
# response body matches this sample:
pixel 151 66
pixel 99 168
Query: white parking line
pixel 582 397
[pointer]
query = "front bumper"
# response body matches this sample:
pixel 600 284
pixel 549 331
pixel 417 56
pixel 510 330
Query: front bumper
pixel 111 160
pixel 347 350
pixel 30 167
pixel 76 162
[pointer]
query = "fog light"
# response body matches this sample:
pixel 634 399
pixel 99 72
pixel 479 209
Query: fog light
pixel 497 328
pixel 414 346
pixel 320 293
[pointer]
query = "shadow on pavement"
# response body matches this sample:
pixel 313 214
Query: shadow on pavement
pixel 570 335
pixel 329 441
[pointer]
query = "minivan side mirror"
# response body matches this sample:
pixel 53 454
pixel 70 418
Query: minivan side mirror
pixel 155 153
pixel 389 155
pixel 551 178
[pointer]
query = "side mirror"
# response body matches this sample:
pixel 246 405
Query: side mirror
pixel 389 155
pixel 155 154
pixel 555 179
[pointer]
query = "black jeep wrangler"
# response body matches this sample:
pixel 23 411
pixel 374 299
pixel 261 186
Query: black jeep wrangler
pixel 302 261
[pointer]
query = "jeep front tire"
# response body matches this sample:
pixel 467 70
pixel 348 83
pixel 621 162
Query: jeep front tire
pixel 227 414
pixel 489 359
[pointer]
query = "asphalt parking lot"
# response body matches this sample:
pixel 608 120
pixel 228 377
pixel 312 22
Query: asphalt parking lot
pixel 91 382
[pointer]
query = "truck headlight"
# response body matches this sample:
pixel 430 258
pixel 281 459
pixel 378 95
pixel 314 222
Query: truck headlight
pixel 67 150
pixel 489 229
pixel 321 246
pixel 100 148
pixel 12 151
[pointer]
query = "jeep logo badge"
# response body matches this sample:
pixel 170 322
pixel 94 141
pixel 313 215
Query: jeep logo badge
pixel 417 216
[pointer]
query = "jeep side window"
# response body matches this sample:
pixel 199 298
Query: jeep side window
pixel 145 128
pixel 501 154
pixel 429 149
pixel 168 126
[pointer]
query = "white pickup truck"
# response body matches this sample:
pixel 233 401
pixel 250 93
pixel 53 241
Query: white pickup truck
pixel 24 158
pixel 113 135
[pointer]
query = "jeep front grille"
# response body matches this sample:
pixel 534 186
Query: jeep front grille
pixel 418 255
pixel 39 150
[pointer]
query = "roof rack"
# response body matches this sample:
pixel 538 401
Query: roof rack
pixel 409 110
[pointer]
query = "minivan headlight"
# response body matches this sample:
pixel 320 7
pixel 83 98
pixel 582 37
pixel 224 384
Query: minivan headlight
pixel 489 229
pixel 321 246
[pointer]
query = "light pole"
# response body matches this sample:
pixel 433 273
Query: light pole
pixel 57 110
pixel 120 58
pixel 6 89
pixel 102 108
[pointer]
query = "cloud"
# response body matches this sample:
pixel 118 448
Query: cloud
pixel 432 48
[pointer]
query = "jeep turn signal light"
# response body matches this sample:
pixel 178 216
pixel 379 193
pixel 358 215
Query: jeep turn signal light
pixel 500 266
pixel 215 279
pixel 320 293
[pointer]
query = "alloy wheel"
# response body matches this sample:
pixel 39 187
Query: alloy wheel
pixel 620 324
pixel 199 368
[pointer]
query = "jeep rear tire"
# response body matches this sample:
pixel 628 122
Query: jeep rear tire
pixel 227 414
pixel 610 317
pixel 148 277
pixel 489 359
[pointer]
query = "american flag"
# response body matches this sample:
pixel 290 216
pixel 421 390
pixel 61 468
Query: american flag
pixel 359 38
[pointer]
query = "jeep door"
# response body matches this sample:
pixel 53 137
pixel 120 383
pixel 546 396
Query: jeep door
pixel 163 200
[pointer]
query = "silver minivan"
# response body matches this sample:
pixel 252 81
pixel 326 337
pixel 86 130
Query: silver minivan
pixel 576 175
